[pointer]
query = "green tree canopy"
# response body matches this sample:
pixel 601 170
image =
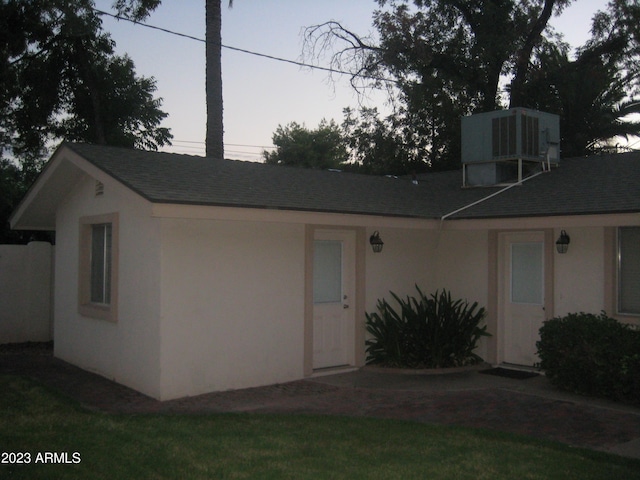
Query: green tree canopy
pixel 376 145
pixel 61 80
pixel 450 58
pixel 296 145
pixel 595 92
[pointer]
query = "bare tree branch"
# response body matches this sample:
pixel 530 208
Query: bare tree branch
pixel 346 53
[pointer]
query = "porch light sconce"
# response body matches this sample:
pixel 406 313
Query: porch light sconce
pixel 562 244
pixel 376 242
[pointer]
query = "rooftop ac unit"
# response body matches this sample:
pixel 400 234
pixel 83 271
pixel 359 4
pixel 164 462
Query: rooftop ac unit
pixel 505 146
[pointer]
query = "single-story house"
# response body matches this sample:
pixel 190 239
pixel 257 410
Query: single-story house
pixel 179 275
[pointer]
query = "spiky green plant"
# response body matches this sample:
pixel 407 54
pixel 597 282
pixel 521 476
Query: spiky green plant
pixel 425 332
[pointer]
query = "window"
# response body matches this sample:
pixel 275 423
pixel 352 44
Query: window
pixel 527 275
pixel 98 266
pixel 327 271
pixel 629 270
pixel 100 277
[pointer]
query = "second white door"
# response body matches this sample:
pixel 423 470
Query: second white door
pixel 333 294
pixel 523 295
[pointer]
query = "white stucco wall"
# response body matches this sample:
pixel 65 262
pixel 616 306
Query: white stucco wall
pixel 452 259
pixel 126 351
pixel 461 264
pixel 406 260
pixel 232 305
pixel 579 278
pixel 25 292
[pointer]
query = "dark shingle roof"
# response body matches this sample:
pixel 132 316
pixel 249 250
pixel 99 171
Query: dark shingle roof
pixel 579 186
pixel 607 184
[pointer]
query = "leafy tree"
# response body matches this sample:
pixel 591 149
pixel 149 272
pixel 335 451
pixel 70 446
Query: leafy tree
pixel 60 79
pixel 296 145
pixel 596 93
pixel 449 58
pixel 136 10
pixel 376 145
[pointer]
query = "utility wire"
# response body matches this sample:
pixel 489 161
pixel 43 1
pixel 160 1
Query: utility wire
pixel 253 152
pixel 242 50
pixel 199 142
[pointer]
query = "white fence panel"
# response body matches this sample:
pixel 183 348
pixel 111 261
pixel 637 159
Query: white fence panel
pixel 26 292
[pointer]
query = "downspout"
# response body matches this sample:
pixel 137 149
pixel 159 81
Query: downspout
pixel 494 194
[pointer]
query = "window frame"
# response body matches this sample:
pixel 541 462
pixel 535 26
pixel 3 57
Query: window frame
pixel 87 307
pixel 619 260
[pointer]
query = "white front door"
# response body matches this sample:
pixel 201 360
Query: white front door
pixel 522 295
pixel 333 294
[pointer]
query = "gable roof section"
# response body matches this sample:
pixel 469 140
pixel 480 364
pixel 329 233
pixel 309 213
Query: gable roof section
pixel 182 179
pixel 579 186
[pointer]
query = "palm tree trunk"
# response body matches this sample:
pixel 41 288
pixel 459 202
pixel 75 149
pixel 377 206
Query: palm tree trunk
pixel 213 53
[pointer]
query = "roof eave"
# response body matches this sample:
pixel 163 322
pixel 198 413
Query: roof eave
pixel 161 201
pixel 37 209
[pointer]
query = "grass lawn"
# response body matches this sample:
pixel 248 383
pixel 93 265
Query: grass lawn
pixel 34 421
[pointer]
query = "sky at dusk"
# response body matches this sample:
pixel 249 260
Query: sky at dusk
pixel 259 93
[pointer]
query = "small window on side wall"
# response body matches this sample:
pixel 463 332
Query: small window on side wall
pixel 101 263
pixel 98 272
pixel 629 270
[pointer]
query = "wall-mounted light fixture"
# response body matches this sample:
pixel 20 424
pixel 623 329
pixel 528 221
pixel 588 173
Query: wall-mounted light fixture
pixel 562 244
pixel 376 242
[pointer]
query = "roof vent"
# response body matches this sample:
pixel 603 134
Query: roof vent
pixel 505 146
pixel 99 188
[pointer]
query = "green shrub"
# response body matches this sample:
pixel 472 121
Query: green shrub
pixel 591 354
pixel 630 377
pixel 426 332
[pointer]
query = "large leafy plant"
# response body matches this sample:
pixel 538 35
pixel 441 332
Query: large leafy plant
pixel 424 332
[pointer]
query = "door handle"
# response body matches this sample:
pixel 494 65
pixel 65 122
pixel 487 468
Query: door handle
pixel 345 306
